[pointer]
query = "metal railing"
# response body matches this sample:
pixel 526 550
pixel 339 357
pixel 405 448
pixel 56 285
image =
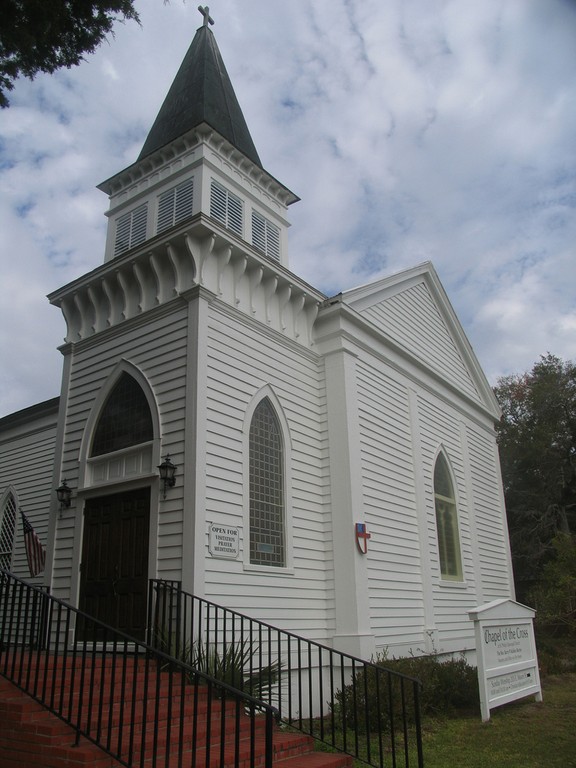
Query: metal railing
pixel 140 705
pixel 354 706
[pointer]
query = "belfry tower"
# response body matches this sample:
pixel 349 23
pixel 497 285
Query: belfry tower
pixel 196 252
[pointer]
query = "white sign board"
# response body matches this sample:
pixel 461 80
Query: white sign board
pixel 506 651
pixel 224 541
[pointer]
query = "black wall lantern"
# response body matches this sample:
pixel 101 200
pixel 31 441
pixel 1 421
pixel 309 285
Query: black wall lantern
pixel 167 473
pixel 64 494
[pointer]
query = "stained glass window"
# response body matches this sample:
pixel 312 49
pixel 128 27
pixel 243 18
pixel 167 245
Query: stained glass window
pixel 125 419
pixel 267 545
pixel 447 522
pixel 7 527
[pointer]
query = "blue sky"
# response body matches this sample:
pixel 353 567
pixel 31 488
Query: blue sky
pixel 410 129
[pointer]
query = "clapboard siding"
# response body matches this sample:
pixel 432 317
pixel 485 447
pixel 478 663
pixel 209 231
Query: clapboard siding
pixel 401 415
pixel 395 583
pixel 158 350
pixel 490 516
pixel 412 318
pixel 440 427
pixel 241 361
pixel 26 468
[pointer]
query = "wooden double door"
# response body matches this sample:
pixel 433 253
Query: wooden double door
pixel 114 568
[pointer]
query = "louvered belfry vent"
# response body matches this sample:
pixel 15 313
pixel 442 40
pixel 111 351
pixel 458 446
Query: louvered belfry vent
pixel 226 208
pixel 131 229
pixel 265 236
pixel 175 205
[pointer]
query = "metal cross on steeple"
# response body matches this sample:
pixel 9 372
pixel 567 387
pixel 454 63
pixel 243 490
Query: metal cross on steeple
pixel 205 11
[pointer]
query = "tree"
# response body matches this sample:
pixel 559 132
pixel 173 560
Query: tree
pixel 44 35
pixel 554 597
pixel 537 442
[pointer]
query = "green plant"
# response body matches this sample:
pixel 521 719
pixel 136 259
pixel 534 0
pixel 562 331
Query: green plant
pixel 373 699
pixel 555 595
pixel 523 734
pixel 237 664
pixel 169 643
pixel 556 653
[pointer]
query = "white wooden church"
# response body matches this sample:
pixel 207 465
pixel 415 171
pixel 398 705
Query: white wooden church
pixel 336 469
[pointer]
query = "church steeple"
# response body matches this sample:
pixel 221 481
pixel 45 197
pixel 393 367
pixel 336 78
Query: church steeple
pixel 196 210
pixel 201 93
pixel 198 166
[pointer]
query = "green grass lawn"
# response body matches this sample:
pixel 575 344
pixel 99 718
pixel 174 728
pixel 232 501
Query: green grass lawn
pixel 524 734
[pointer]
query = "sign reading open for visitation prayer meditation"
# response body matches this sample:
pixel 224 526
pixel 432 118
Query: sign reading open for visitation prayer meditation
pixel 224 541
pixel 506 652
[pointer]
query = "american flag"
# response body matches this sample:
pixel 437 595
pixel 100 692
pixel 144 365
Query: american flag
pixel 35 550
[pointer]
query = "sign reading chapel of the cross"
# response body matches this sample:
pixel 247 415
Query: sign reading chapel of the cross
pixel 205 11
pixel 506 651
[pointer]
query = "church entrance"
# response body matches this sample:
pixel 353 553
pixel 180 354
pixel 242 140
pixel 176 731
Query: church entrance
pixel 114 569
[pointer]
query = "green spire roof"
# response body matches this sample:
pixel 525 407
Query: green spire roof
pixel 201 93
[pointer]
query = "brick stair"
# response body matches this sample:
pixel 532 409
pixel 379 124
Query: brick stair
pixel 31 736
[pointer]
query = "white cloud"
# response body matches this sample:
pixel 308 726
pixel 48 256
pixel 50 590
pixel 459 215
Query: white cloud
pixel 411 129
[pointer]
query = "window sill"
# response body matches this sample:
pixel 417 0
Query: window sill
pixel 269 570
pixel 448 584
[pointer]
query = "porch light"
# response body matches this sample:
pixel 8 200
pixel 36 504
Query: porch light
pixel 167 473
pixel 64 494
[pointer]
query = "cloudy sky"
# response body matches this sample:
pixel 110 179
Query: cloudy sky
pixel 411 130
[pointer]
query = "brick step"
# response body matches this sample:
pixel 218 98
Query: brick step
pixel 130 675
pixel 316 760
pixel 109 695
pixel 16 660
pixel 47 660
pixel 99 700
pixel 113 691
pixel 55 668
pixel 34 737
pixel 52 739
pixel 191 731
pixel 30 736
pixel 286 746
pixel 117 725
pixel 144 715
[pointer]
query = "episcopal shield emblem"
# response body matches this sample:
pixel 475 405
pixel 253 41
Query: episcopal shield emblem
pixel 362 537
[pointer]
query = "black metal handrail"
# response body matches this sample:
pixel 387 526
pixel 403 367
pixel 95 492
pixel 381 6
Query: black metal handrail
pixel 137 703
pixel 355 706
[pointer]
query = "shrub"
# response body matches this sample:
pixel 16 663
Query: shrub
pixel 556 653
pixel 373 700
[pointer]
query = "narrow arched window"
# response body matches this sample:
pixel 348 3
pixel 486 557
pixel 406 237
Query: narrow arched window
pixel 447 522
pixel 7 528
pixel 267 536
pixel 125 419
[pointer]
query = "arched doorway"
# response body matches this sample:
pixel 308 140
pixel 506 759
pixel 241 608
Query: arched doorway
pixel 114 564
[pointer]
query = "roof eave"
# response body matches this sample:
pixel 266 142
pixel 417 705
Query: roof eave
pixel 200 133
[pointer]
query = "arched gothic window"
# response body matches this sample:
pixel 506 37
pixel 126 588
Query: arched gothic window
pixel 267 535
pixel 125 419
pixel 7 528
pixel 447 522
